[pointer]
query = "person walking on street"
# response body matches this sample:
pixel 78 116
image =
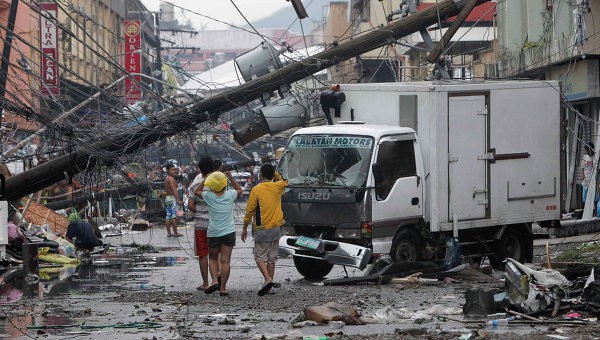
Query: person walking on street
pixel 221 226
pixel 264 209
pixel 200 211
pixel 172 201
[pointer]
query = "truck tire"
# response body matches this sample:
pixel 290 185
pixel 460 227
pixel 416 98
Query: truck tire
pixel 406 246
pixel 312 269
pixel 516 243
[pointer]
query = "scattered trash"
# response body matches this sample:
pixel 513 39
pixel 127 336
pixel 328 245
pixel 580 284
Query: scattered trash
pixel 333 311
pixel 572 315
pixel 479 302
pixel 452 257
pixel 245 329
pixel 307 323
pixel 495 324
pixel 388 313
pixel 383 271
pixel 227 322
pixel 546 277
pixel 415 279
pixel 336 324
pixel 534 290
pixel 466 336
pixel 139 224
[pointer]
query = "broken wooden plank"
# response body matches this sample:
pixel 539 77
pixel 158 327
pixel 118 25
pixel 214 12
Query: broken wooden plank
pixel 40 215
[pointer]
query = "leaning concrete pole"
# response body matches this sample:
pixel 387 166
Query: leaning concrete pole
pixel 170 123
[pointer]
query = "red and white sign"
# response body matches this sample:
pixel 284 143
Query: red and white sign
pixel 133 61
pixel 49 46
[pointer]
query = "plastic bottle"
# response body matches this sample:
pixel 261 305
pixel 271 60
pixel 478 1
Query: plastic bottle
pixel 495 324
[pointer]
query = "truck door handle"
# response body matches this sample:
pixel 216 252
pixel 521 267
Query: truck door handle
pixel 415 201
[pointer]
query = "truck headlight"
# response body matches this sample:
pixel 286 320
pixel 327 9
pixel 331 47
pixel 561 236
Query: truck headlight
pixel 347 233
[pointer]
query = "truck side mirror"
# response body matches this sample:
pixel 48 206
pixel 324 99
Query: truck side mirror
pixel 377 173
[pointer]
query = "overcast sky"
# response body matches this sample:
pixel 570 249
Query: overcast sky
pixel 222 10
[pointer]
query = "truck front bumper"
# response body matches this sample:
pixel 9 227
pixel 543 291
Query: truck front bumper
pixel 334 252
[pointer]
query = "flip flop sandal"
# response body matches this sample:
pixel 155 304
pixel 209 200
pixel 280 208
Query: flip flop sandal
pixel 200 288
pixel 224 294
pixel 212 289
pixel 265 289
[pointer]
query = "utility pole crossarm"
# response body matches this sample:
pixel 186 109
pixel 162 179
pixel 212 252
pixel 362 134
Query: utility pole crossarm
pixel 170 123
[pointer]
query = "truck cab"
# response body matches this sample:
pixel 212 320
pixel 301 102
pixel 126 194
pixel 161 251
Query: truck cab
pixel 352 185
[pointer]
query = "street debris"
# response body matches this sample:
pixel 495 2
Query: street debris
pixel 389 314
pixel 333 311
pixel 302 324
pixel 479 302
pixel 534 297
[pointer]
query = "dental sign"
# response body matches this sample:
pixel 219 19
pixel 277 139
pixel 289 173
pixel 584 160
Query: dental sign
pixel 133 61
pixel 50 80
pixel 332 142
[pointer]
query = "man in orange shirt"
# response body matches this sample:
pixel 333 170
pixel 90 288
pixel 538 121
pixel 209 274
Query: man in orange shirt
pixel 264 209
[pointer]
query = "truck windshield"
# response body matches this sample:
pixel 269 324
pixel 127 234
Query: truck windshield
pixel 335 160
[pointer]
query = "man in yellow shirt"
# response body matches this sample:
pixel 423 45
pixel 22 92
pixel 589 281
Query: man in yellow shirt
pixel 264 209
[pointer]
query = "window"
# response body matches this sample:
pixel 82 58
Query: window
pixel 361 10
pixel 397 160
pixel 329 160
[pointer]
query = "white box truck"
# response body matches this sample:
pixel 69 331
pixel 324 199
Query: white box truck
pixel 405 166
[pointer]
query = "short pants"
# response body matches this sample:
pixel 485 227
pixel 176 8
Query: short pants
pixel 201 242
pixel 227 240
pixel 266 251
pixel 171 207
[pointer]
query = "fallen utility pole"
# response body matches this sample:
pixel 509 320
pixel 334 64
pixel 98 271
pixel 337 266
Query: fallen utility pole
pixel 169 123
pixel 460 19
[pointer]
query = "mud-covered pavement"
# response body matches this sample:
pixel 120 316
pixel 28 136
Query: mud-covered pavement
pixel 150 291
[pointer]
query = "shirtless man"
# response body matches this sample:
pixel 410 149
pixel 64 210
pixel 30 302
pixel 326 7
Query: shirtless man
pixel 172 201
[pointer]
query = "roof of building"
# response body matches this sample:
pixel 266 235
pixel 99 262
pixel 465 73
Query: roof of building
pixel 482 13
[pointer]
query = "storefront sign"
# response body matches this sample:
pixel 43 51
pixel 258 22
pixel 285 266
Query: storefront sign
pixel 133 61
pixel 49 46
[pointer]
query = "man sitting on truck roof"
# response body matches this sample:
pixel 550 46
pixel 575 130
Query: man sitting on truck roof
pixel 264 207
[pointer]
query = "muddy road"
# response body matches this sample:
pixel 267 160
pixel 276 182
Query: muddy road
pixel 149 292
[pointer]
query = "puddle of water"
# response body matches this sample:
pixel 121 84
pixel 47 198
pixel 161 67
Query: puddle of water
pixel 100 273
pixel 123 269
pixel 16 326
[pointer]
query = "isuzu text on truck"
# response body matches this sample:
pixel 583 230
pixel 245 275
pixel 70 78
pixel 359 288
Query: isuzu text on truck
pixel 408 165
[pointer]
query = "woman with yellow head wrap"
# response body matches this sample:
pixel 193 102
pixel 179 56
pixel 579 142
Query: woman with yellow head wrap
pixel 221 227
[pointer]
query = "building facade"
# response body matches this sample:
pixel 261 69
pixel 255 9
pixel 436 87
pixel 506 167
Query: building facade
pixel 22 71
pixel 92 41
pixel 404 60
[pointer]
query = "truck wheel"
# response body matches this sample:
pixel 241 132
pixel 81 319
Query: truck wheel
pixel 514 243
pixel 406 246
pixel 312 269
